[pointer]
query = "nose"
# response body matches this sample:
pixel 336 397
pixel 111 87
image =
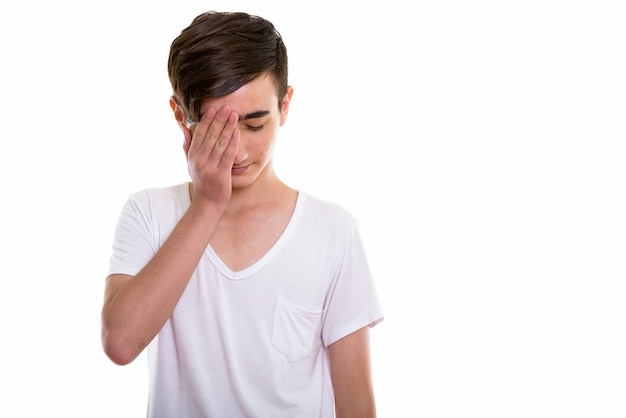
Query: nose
pixel 242 152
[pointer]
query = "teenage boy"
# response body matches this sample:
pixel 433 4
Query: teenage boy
pixel 253 299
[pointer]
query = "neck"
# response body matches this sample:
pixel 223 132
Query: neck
pixel 266 189
pixel 261 192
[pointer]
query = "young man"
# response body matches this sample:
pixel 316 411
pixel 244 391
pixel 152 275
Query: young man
pixel 252 298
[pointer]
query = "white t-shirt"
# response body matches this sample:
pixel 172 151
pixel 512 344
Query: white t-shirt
pixel 252 343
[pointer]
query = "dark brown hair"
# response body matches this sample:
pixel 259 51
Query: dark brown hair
pixel 220 52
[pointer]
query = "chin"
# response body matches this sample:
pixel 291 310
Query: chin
pixel 241 183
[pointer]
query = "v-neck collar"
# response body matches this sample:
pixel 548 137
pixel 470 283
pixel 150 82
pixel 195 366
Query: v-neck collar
pixel 268 256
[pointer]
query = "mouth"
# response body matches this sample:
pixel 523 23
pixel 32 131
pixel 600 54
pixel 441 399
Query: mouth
pixel 239 169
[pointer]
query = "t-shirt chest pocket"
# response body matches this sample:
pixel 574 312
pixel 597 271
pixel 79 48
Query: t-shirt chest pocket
pixel 296 332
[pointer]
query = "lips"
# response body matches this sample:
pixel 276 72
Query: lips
pixel 239 169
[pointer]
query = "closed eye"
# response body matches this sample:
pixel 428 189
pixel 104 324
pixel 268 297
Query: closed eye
pixel 250 117
pixel 254 128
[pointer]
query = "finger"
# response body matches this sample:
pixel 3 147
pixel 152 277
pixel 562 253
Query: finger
pixel 216 129
pixel 200 130
pixel 230 153
pixel 225 135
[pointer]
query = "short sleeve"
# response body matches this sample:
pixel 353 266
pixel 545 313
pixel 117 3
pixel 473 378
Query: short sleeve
pixel 352 302
pixel 133 242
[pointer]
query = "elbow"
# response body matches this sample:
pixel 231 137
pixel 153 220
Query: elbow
pixel 118 356
pixel 119 350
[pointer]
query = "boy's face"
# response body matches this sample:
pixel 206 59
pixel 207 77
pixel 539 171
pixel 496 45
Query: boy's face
pixel 256 104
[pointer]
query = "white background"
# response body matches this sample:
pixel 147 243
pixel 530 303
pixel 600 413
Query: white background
pixel 480 144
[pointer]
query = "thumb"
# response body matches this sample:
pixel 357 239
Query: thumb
pixel 186 140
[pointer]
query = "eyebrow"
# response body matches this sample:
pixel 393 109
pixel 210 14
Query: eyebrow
pixel 254 115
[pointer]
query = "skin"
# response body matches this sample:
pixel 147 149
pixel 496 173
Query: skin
pixel 233 190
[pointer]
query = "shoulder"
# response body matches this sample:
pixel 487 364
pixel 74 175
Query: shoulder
pixel 325 214
pixel 161 195
pixel 323 206
pixel 159 202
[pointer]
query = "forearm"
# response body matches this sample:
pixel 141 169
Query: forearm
pixel 135 308
pixel 352 376
pixel 363 407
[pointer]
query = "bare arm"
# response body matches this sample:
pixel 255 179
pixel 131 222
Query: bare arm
pixel 351 373
pixel 135 308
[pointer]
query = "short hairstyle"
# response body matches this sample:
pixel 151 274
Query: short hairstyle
pixel 220 52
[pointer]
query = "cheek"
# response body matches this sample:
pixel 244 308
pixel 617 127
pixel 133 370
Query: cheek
pixel 261 147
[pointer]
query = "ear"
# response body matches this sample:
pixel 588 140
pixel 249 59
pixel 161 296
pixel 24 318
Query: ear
pixel 179 115
pixel 285 106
